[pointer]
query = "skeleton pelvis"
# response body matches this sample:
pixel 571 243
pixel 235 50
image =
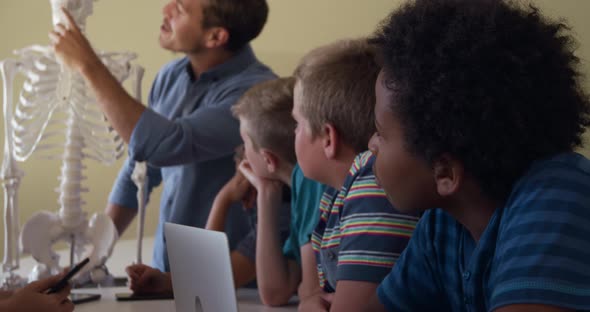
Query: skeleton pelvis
pixel 94 239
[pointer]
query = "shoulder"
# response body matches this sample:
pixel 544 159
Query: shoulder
pixel 360 174
pixel 230 89
pixel 173 68
pixel 361 182
pixel 549 207
pixel 296 177
pixel 259 71
pixel 362 164
pixel 168 76
pixel 558 185
pixel 248 77
pixel 553 197
pixel 560 166
pixel 542 242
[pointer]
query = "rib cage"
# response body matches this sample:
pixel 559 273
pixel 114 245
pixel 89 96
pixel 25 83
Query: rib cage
pixel 48 95
pixel 55 104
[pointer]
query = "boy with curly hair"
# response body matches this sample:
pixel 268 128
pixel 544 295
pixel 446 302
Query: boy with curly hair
pixel 479 107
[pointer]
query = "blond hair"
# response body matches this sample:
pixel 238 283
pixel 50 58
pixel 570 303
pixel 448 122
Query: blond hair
pixel 338 83
pixel 267 109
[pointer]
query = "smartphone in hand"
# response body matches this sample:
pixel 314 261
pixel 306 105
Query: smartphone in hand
pixel 136 297
pixel 66 279
pixel 83 298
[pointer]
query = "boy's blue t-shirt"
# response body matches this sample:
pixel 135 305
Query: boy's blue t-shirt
pixel 305 198
pixel 535 249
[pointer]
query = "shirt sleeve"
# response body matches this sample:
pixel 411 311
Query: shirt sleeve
pixel 373 234
pixel 124 191
pixel 290 249
pixel 545 251
pixel 305 199
pixel 208 133
pixel 309 206
pixel 412 284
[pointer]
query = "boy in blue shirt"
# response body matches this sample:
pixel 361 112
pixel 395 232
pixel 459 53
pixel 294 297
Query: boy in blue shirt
pixel 478 110
pixel 267 129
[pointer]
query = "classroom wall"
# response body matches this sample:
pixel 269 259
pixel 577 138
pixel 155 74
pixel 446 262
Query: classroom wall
pixel 294 27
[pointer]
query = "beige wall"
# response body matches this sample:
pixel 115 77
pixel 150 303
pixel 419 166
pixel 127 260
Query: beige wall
pixel 294 27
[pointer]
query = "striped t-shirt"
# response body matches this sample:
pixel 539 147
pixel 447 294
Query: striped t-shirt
pixel 359 235
pixel 535 250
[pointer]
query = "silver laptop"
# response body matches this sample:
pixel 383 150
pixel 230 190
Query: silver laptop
pixel 201 269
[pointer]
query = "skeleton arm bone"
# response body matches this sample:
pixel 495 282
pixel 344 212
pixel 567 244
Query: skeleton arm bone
pixel 11 176
pixel 139 175
pixel 50 88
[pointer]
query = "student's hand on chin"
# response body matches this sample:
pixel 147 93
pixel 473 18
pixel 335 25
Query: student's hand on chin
pixel 260 183
pixel 247 171
pixel 239 189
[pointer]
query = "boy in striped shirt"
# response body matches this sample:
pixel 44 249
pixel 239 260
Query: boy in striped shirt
pixel 360 235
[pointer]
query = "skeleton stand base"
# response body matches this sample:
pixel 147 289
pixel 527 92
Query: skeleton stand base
pixel 12 281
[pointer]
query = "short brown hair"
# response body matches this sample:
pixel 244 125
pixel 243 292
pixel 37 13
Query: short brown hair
pixel 243 19
pixel 338 82
pixel 267 107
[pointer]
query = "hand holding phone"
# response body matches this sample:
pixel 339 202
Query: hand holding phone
pixel 32 297
pixel 66 279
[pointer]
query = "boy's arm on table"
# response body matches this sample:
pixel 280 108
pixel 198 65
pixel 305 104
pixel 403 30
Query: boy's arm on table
pixel 310 283
pixel 311 296
pixel 237 189
pixel 243 268
pixel 374 305
pixel 277 276
pixel 352 295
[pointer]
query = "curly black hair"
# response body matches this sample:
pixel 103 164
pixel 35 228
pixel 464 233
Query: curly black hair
pixel 492 83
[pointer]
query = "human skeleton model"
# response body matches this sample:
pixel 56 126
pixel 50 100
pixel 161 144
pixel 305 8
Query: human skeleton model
pixel 53 96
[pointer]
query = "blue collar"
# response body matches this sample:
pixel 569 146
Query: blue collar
pixel 240 61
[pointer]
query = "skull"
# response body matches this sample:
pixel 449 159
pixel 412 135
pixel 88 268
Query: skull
pixel 79 9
